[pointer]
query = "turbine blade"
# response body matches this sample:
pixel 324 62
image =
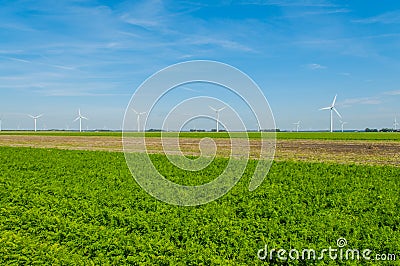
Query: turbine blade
pixel 213 108
pixel 336 111
pixel 31 116
pixel 221 109
pixel 76 118
pixel 84 118
pixel 325 108
pixel 135 111
pixel 334 101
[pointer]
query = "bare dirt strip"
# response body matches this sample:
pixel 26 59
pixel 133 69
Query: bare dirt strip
pixel 340 151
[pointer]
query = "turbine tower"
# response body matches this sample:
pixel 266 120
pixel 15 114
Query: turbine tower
pixel 35 118
pixel 395 124
pixel 1 121
pixel 332 108
pixel 342 124
pixel 80 117
pixel 138 114
pixel 217 115
pixel 297 125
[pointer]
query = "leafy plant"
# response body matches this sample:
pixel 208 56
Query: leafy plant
pixel 84 207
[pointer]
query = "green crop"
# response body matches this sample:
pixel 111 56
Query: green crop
pixel 84 207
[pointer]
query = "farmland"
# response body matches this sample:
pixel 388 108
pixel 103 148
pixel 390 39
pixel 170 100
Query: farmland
pixel 363 150
pixel 70 199
pixel 84 207
pixel 372 136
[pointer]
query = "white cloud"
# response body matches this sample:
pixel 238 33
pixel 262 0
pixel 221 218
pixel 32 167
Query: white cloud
pixel 19 60
pixel 318 12
pixel 315 66
pixel 290 3
pixel 345 74
pixel 395 92
pixel 227 44
pixel 392 17
pixel 363 100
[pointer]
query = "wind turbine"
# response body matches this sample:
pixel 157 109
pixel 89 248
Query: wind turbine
pixel 342 123
pixel 217 113
pixel 297 125
pixel 80 117
pixel 35 118
pixel 332 108
pixel 1 120
pixel 138 114
pixel 395 124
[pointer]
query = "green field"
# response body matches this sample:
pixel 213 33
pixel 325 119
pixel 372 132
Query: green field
pixel 84 208
pixel 392 136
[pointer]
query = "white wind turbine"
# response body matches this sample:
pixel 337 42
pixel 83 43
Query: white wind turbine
pixel 217 115
pixel 342 124
pixel 35 118
pixel 138 114
pixel 297 125
pixel 332 108
pixel 80 117
pixel 395 124
pixel 1 121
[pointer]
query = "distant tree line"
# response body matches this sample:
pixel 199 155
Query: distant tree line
pixel 381 130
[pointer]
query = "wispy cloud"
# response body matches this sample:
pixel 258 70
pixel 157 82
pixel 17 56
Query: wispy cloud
pixel 34 62
pixel 158 25
pixel 290 3
pixel 395 92
pixel 363 100
pixel 315 66
pixel 319 12
pixel 152 15
pixel 63 93
pixel 314 42
pixel 18 59
pixel 345 74
pixel 227 44
pixel 392 17
pixel 17 26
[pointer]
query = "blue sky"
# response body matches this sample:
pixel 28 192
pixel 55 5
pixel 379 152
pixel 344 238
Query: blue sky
pixel 58 56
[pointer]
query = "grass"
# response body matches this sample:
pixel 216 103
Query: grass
pixel 374 136
pixel 84 207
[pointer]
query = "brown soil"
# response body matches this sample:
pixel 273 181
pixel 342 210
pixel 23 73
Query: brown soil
pixel 359 152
